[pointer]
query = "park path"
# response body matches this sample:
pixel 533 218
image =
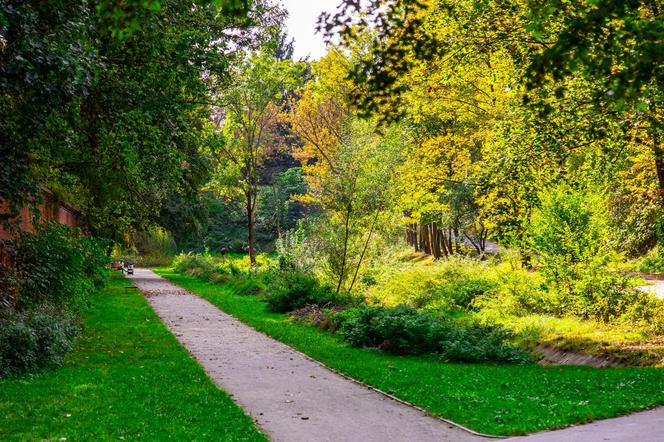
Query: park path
pixel 654 287
pixel 291 397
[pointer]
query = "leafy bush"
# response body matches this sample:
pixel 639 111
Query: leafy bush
pixel 35 339
pixel 57 265
pixel 291 291
pixel 52 269
pixel 569 234
pixel 295 252
pixel 452 283
pixel 653 261
pixel 404 330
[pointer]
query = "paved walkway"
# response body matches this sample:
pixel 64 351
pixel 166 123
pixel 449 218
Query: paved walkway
pixel 655 287
pixel 646 426
pixel 293 398
pixel 290 397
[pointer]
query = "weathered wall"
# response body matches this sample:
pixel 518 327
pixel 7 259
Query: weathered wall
pixel 50 210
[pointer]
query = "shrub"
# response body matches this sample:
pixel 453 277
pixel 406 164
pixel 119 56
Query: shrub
pixel 404 330
pixel 653 261
pixel 35 339
pixel 444 285
pixel 194 264
pixel 53 269
pixel 291 291
pixel 56 265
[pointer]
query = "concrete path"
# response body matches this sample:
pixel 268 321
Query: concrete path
pixel 290 397
pixel 654 287
pixel 646 426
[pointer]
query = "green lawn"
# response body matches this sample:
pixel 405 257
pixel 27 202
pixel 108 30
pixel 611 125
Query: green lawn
pixel 493 399
pixel 127 378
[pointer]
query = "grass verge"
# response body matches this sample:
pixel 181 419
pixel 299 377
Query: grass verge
pixel 494 399
pixel 127 378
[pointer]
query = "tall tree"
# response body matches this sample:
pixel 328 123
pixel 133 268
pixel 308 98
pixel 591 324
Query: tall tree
pixel 249 128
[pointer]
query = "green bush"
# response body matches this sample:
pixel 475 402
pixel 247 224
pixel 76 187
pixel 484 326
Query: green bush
pixel 35 339
pixel 653 261
pixel 291 291
pixel 569 234
pixel 404 330
pixel 57 265
pixel 444 285
pixel 52 270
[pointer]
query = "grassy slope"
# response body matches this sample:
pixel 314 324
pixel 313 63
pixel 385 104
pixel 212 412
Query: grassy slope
pixel 488 398
pixel 127 378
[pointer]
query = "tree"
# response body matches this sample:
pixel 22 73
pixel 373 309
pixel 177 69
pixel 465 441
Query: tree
pixel 95 97
pixel 347 164
pixel 249 130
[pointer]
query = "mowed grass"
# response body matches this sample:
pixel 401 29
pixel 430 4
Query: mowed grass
pixel 494 399
pixel 127 378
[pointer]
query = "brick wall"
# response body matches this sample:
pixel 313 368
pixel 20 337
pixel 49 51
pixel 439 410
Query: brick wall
pixel 50 210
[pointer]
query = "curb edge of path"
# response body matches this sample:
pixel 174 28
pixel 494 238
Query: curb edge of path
pixel 384 393
pixel 337 372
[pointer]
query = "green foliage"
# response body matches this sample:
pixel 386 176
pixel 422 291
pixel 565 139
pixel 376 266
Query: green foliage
pixel 291 291
pixel 444 285
pixel 653 261
pixel 250 133
pixel 35 339
pixel 566 233
pixel 404 330
pixel 80 115
pixel 152 247
pixel 51 270
pixel 277 212
pixel 58 265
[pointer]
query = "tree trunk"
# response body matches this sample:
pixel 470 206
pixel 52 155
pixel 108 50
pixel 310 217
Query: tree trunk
pixel 250 229
pixel 657 148
pixel 426 239
pixel 364 250
pixel 435 240
pixel 277 209
pixel 442 243
pixel 345 252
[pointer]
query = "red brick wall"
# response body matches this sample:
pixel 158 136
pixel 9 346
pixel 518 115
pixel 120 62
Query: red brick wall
pixel 50 209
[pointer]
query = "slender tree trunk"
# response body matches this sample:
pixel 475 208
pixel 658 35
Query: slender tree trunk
pixel 435 240
pixel 426 239
pixel 416 243
pixel 657 147
pixel 442 242
pixel 345 252
pixel 250 228
pixel 449 241
pixel 277 209
pixel 364 250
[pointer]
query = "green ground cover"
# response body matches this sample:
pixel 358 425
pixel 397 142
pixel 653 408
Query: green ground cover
pixel 495 399
pixel 127 378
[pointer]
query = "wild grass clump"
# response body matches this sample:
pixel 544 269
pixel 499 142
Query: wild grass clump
pixel 233 269
pixel 443 285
